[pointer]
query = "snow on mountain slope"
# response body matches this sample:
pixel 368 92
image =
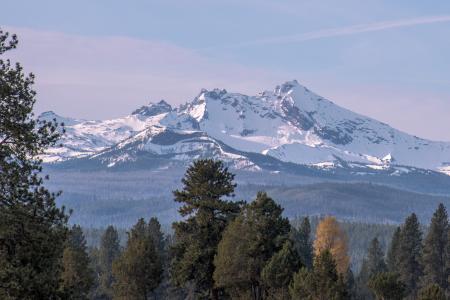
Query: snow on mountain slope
pixel 83 138
pixel 293 124
pixel 290 123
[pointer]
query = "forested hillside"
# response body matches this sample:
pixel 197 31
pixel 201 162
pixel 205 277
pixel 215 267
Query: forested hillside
pixel 102 198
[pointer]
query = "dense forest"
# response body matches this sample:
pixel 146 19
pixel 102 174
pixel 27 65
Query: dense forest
pixel 218 249
pixel 99 198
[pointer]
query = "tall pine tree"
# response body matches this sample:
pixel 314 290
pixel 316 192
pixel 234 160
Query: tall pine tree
pixel 322 282
pixel 435 256
pixel 108 252
pixel 410 255
pixel 387 286
pixel 77 276
pixel 206 215
pixel 279 270
pixel 32 228
pixel 138 271
pixel 392 258
pixel 372 265
pixel 247 245
pixel 303 242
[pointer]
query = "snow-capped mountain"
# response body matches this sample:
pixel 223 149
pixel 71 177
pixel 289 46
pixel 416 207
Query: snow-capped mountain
pixel 289 125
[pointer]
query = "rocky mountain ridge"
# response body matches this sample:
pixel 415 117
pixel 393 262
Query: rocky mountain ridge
pixel 289 125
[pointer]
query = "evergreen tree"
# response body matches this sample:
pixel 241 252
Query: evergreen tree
pixel 330 236
pixel 323 282
pixel 93 253
pixel 373 264
pixel 165 289
pixel 109 251
pixel 156 234
pixel 375 258
pixel 410 251
pixel 432 292
pixel 32 228
pixel 206 216
pixel 138 271
pixel 303 242
pixel 387 286
pixel 77 276
pixel 247 245
pixel 302 285
pixel 435 253
pixel 393 252
pixel 278 272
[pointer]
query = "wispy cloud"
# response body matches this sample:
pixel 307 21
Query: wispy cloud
pixel 344 31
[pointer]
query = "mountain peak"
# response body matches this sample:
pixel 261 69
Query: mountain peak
pixel 287 87
pixel 51 115
pixel 48 114
pixel 153 109
pixel 212 94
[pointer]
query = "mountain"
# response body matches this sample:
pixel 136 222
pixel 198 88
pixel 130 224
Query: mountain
pixel 287 128
pixel 311 155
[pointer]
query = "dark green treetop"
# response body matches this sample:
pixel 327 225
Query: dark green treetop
pixel 206 214
pixel 303 242
pixel 435 256
pixel 108 252
pixel 138 271
pixel 322 282
pixel 77 276
pixel 279 270
pixel 387 286
pixel 392 258
pixel 247 245
pixel 410 255
pixel 32 228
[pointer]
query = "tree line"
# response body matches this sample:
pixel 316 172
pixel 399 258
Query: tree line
pixel 220 249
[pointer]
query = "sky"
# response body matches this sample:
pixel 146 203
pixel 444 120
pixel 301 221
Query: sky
pixel 99 59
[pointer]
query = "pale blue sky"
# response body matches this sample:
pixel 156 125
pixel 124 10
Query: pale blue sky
pixel 100 59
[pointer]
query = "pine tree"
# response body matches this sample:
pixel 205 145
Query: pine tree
pixel 330 236
pixel 303 242
pixel 387 286
pixel 247 245
pixel 373 264
pixel 435 257
pixel 279 270
pixel 77 276
pixel 109 251
pixel 323 282
pixel 302 285
pixel 165 289
pixel 432 292
pixel 410 251
pixel 206 216
pixel 154 228
pixel 393 252
pixel 32 228
pixel 138 271
pixel 375 258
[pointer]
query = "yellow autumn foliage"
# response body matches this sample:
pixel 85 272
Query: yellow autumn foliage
pixel 329 235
